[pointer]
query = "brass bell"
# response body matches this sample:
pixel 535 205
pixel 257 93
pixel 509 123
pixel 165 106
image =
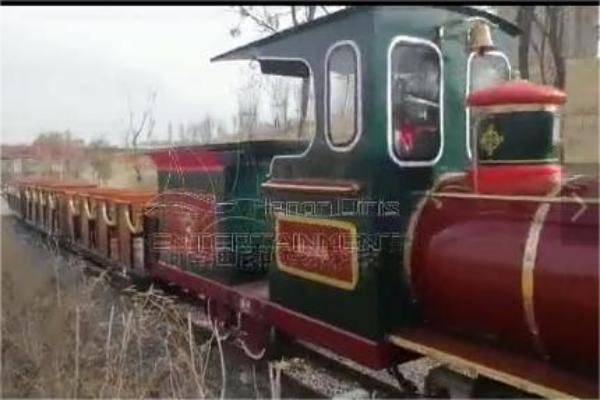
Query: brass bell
pixel 480 37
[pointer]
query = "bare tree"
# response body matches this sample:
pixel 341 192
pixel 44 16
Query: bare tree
pixel 206 128
pixel 145 122
pixel 100 158
pixel 181 133
pixel 269 19
pixel 137 126
pixel 248 104
pixel 544 42
pixel 280 100
pixel 554 35
pixel 170 132
pixel 524 20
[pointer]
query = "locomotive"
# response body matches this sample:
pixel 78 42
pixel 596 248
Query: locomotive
pixel 429 216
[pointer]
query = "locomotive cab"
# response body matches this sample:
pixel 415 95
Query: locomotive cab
pixel 389 87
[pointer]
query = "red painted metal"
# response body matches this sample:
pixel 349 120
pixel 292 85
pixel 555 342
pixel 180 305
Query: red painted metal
pixel 467 275
pixel 186 160
pixel 187 223
pixel 375 355
pixel 566 280
pixel 516 92
pixel 534 179
pixel 251 300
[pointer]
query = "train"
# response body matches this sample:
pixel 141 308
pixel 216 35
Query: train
pixel 430 215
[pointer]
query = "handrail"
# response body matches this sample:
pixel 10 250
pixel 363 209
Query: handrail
pixel 107 220
pixel 86 209
pixel 133 228
pixel 536 199
pixel 51 201
pixel 42 199
pixel 72 208
pixel 309 187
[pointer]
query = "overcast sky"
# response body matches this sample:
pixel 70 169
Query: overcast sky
pixel 75 68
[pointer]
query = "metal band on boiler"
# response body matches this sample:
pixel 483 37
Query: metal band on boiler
pixel 412 226
pixel 527 274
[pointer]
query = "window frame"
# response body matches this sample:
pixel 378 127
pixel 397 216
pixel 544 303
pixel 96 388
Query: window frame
pixel 311 79
pixel 414 41
pixel 468 90
pixel 358 109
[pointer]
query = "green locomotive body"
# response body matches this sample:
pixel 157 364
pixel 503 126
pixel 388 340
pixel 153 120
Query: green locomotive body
pixel 381 48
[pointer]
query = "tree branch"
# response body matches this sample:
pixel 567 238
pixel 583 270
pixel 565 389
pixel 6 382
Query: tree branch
pixel 246 12
pixel 311 13
pixel 294 17
pixel 540 25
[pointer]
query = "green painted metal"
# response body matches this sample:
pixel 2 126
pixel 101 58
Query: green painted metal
pixel 525 137
pixel 244 238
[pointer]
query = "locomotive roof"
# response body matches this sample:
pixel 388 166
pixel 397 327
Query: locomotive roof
pixel 248 50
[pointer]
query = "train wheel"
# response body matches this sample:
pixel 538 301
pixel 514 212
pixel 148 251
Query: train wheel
pixel 221 318
pixel 444 383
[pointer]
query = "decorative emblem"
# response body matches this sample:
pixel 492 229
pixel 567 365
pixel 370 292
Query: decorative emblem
pixel 490 140
pixel 319 250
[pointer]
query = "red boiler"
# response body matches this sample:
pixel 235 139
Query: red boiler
pixel 520 271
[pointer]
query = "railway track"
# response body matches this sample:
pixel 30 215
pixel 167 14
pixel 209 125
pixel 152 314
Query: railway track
pixel 295 370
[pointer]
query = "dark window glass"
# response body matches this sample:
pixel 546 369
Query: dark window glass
pixel 415 97
pixel 342 95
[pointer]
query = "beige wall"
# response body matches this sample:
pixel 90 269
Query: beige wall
pixel 580 121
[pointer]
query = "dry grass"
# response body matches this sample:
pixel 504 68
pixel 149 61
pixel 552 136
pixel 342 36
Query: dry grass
pixel 74 336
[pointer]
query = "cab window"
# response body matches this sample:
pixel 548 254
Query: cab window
pixel 487 70
pixel 415 68
pixel 342 97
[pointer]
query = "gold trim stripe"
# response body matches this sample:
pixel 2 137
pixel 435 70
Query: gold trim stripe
pixel 528 266
pixel 408 243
